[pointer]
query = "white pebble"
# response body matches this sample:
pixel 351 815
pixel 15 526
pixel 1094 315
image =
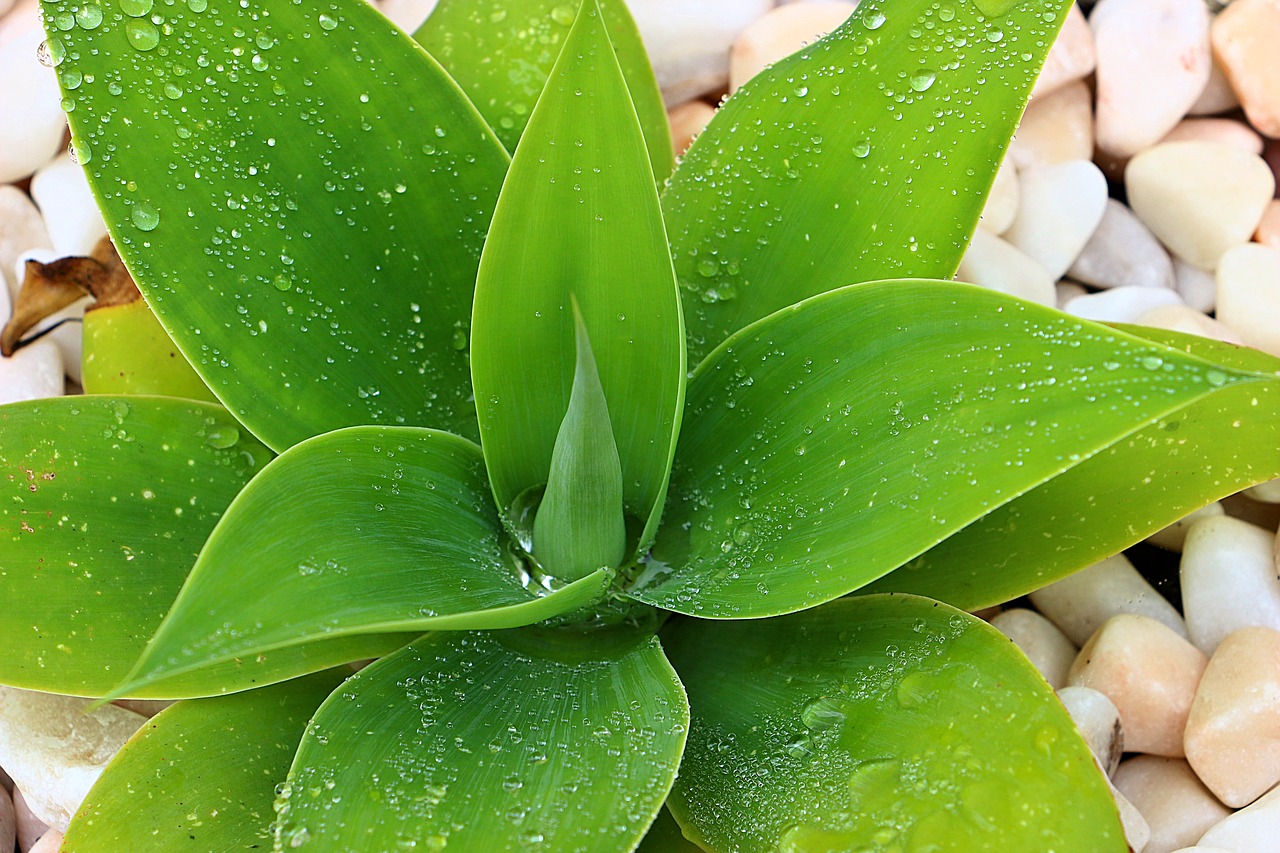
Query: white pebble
pixel 1061 207
pixel 8 823
pixel 992 263
pixel 1002 202
pixel 1066 290
pixel 1173 537
pixel 21 229
pixel 31 119
pixel 1121 304
pixel 1072 56
pixel 780 33
pixel 1056 128
pixel 55 751
pixel 50 842
pixel 67 204
pixel 1199 289
pixel 1045 646
pixel 1080 603
pixel 1098 722
pixel 1267 492
pixel 1253 829
pixel 1217 97
pixel 686 122
pixel 1175 804
pixel 30 827
pixel 34 372
pixel 408 15
pixel 1228 580
pixel 1180 318
pixel 1122 252
pixel 1249 295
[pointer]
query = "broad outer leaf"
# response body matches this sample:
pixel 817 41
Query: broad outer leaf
pixel 127 351
pixel 579 216
pixel 836 440
pixel 477 742
pixel 300 192
pixel 367 530
pixel 1215 447
pixel 867 155
pixel 201 775
pixel 879 723
pixel 501 53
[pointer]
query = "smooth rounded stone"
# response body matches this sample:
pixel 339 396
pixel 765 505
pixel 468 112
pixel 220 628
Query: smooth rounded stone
pixel 1228 575
pixel 1175 804
pixel 1071 58
pixel 780 33
pixel 1181 318
pixel 1067 290
pixel 1271 154
pixel 689 43
pixel 992 263
pixel 34 372
pixel 30 826
pixel 1136 831
pixel 1253 829
pixel 1174 537
pixel 21 228
pixel 1098 721
pixel 31 119
pixel 55 749
pixel 687 121
pixel 1150 673
pixel 50 842
pixel 1056 128
pixel 1257 513
pixel 1199 198
pixel 1079 604
pixel 1121 304
pixel 1045 646
pixel 23 17
pixel 1268 233
pixel 8 823
pixel 1232 737
pixel 5 6
pixel 1122 252
pixel 1266 492
pixel 408 15
pixel 1201 849
pixel 1218 96
pixel 1249 295
pixel 1225 130
pixel 70 212
pixel 1199 289
pixel 1061 207
pixel 1245 36
pixel 1002 202
pixel 1153 63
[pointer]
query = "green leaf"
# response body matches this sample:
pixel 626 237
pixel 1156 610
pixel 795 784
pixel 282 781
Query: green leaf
pixel 367 530
pixel 300 192
pixel 579 217
pixel 127 351
pixel 879 723
pixel 477 742
pixel 579 526
pixel 867 155
pixel 811 465
pixel 200 775
pixel 1213 448
pixel 501 53
pixel 665 836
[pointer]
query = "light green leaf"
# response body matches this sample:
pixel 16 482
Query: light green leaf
pixel 127 351
pixel 480 743
pixel 200 775
pixel 300 192
pixel 834 441
pixel 501 53
pixel 579 217
pixel 867 155
pixel 579 526
pixel 1213 448
pixel 879 723
pixel 367 530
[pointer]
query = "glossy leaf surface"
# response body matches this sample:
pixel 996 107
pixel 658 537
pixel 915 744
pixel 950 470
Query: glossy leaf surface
pixel 127 351
pixel 578 217
pixel 501 53
pixel 838 439
pixel 479 742
pixel 879 723
pixel 202 772
pixel 1213 448
pixel 322 227
pixel 367 530
pixel 868 155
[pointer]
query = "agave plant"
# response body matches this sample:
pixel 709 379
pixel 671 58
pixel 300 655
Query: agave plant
pixel 578 608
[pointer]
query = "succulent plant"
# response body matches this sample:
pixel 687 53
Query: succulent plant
pixel 745 454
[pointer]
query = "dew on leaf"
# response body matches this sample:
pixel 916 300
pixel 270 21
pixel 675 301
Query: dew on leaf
pixel 142 34
pixel 145 217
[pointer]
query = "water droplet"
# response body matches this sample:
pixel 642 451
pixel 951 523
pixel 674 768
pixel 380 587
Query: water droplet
pixel 222 438
pixel 197 6
pixel 51 52
pixel 707 268
pixel 172 91
pixel 1152 362
pixel 328 22
pixel 862 148
pixel 823 714
pixel 922 80
pixel 145 217
pixel 258 63
pixel 135 8
pixel 563 15
pixel 89 15
pixel 1216 378
pixel 142 34
pixel 874 20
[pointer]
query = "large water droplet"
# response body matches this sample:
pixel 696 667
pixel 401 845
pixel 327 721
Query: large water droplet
pixel 135 8
pixel 142 34
pixel 145 217
pixel 89 15
pixel 328 22
pixel 563 15
pixel 922 80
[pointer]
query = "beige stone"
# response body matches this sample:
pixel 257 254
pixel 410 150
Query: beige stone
pixel 780 33
pixel 1182 318
pixel 1174 537
pixel 408 15
pixel 1045 646
pixel 1061 207
pixel 21 229
pixel 1098 722
pixel 1071 58
pixel 1122 252
pixel 1225 130
pixel 30 826
pixel 1079 604
pixel 1245 39
pixel 32 123
pixel 1002 202
pixel 1199 198
pixel 50 842
pixel 1153 63
pixel 1176 805
pixel 1253 829
pixel 1229 580
pixel 1067 290
pixel 1056 128
pixel 1198 288
pixel 687 121
pixel 1233 731
pixel 8 823
pixel 1217 97
pixel 1121 304
pixel 1268 233
pixel 1150 673
pixel 992 263
pixel 1249 295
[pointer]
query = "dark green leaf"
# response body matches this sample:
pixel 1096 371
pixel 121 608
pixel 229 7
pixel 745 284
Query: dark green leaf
pixel 127 351
pixel 579 216
pixel 665 837
pixel 867 155
pixel 811 465
pixel 501 53
pixel 201 775
pixel 367 530
pixel 879 723
pixel 476 742
pixel 300 192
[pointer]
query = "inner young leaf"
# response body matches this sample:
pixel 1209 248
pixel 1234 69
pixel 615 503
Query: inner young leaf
pixel 580 525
